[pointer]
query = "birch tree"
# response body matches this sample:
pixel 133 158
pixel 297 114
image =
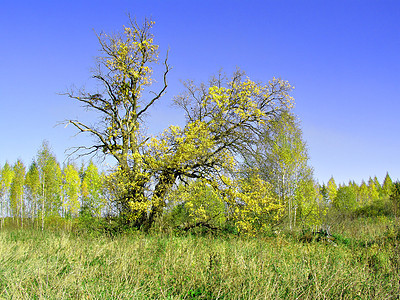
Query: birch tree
pixel 50 181
pixel 92 183
pixel 7 174
pixel 17 191
pixel 32 187
pixel 331 189
pixel 281 157
pixel 71 189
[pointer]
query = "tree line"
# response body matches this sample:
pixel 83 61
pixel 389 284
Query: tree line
pixel 368 198
pixel 45 190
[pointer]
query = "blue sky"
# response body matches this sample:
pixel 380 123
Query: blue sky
pixel 343 57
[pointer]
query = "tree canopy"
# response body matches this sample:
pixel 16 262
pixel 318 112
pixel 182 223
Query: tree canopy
pixel 222 116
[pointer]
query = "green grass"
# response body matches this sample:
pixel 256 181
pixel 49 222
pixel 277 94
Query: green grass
pixel 61 265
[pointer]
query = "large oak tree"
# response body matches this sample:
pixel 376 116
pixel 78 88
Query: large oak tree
pixel 222 116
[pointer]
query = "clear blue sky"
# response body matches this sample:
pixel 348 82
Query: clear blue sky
pixel 343 57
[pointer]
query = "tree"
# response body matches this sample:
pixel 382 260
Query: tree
pixel 332 189
pixel 92 182
pixel 221 118
pixel 386 186
pixel 377 185
pixel 50 181
pixel 324 193
pixel 280 155
pixel 310 209
pixel 1 197
pixel 7 174
pixel 395 197
pixel 124 71
pixel 17 191
pixel 363 194
pixel 259 209
pixel 32 186
pixel 346 199
pixel 373 192
pixel 71 188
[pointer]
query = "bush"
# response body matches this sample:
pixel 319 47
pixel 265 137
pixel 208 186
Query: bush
pixel 378 207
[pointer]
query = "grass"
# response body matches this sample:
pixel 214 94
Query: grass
pixel 62 265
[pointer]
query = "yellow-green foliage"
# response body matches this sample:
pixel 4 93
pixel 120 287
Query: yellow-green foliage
pixel 202 149
pixel 71 187
pixel 17 190
pixel 202 203
pixel 332 189
pixel 311 211
pixel 91 186
pixel 257 208
pixel 222 117
pixel 126 189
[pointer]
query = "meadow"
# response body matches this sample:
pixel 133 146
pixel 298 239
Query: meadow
pixel 362 263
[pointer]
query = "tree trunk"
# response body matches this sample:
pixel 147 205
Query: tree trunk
pixel 33 211
pixel 43 196
pixel 22 214
pixel 2 213
pixel 295 216
pixel 165 182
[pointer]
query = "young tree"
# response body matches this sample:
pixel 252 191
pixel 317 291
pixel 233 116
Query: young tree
pixel 346 199
pixel 332 189
pixel 324 196
pixel 373 193
pixel 395 197
pixel 17 191
pixel 32 187
pixel 92 182
pixel 324 193
pixel 363 194
pixel 221 118
pixel 259 209
pixel 50 181
pixel 71 189
pixel 310 209
pixel 1 197
pixel 323 201
pixel 377 185
pixel 7 174
pixel 386 186
pixel 282 159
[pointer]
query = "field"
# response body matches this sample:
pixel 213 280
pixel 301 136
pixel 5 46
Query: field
pixel 362 263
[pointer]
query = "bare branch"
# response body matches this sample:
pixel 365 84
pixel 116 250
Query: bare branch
pixel 167 68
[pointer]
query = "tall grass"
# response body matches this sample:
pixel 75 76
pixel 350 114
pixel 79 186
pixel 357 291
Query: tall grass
pixel 61 265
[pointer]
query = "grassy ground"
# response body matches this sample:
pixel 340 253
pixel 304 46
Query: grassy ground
pixel 60 265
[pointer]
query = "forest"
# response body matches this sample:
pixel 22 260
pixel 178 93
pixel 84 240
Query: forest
pixel 225 206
